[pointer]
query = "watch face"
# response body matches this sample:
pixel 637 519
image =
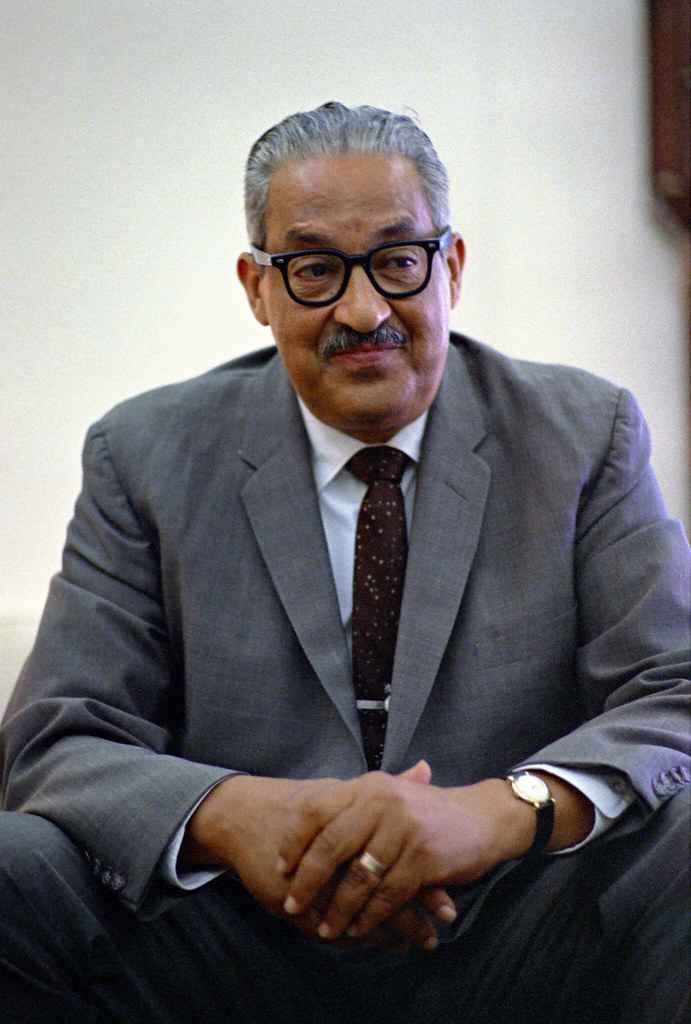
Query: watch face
pixel 531 787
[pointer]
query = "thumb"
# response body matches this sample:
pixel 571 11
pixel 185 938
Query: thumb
pixel 420 772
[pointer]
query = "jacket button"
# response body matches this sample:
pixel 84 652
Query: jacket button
pixel 663 785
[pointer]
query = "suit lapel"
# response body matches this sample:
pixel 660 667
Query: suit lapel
pixel 450 499
pixel 281 502
pixel 282 505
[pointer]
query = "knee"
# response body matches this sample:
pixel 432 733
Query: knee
pixel 662 845
pixel 27 843
pixel 673 824
pixel 650 869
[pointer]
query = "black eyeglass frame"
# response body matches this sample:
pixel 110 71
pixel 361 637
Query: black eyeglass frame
pixel 281 261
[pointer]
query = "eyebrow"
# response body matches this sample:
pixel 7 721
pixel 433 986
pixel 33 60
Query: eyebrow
pixel 296 235
pixel 404 227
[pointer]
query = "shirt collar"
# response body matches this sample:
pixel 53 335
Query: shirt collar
pixel 331 448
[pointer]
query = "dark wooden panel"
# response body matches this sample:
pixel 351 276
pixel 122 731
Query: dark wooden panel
pixel 670 106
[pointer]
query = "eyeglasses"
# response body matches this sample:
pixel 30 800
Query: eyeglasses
pixel 317 277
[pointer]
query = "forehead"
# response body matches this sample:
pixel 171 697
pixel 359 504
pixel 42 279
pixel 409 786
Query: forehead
pixel 344 200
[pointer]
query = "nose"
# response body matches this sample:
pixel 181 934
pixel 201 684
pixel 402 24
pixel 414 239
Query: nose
pixel 361 307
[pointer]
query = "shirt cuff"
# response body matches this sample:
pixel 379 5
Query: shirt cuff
pixel 179 877
pixel 609 793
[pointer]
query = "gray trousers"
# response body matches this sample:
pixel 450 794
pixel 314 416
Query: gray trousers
pixel 598 937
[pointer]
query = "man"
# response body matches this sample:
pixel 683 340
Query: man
pixel 191 737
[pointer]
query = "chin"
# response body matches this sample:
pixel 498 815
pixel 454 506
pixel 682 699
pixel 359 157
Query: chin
pixel 376 427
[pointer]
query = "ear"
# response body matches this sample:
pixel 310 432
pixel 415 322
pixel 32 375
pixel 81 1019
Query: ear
pixel 251 276
pixel 455 258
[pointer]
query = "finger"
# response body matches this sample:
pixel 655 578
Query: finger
pixel 413 926
pixel 382 938
pixel 439 904
pixel 356 888
pixel 420 772
pixel 309 921
pixel 338 843
pixel 312 809
pixel 396 888
pixel 358 882
pixel 360 903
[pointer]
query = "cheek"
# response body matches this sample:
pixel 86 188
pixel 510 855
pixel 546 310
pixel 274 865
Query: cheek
pixel 431 330
pixel 297 340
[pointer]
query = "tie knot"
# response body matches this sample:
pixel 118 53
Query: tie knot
pixel 380 463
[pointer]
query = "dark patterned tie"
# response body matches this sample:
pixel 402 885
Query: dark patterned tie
pixel 380 558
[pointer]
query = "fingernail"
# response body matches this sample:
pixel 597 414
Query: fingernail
pixel 431 943
pixel 446 914
pixel 281 866
pixel 323 930
pixel 291 906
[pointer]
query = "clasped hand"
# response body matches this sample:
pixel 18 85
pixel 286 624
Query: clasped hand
pixel 426 837
pixel 296 846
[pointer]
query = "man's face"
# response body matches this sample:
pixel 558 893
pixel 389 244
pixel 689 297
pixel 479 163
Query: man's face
pixel 352 202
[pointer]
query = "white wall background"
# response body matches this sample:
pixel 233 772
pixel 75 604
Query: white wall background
pixel 124 129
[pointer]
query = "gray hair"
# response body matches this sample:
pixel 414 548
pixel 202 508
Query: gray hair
pixel 334 128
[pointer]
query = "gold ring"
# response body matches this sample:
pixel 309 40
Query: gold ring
pixel 371 863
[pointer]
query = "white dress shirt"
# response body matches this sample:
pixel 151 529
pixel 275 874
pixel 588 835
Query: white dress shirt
pixel 340 496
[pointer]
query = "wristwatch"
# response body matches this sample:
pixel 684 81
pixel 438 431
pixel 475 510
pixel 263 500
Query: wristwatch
pixel 534 791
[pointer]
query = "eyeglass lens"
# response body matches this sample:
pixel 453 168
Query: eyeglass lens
pixel 318 276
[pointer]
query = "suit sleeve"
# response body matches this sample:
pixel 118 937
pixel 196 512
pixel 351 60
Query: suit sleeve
pixel 633 588
pixel 88 736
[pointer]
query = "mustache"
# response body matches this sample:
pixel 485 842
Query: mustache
pixel 345 339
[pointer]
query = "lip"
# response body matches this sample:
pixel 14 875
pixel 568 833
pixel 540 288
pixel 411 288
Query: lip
pixel 365 355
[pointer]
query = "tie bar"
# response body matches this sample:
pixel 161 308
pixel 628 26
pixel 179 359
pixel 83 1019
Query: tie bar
pixel 373 705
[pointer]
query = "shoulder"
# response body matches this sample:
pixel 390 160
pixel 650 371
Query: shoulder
pixel 502 382
pixel 552 422
pixel 520 399
pixel 160 433
pixel 211 402
pixel 194 399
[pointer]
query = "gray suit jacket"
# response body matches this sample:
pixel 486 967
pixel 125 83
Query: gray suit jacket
pixel 194 628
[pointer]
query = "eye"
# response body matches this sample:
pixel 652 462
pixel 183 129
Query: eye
pixel 315 276
pixel 399 268
pixel 314 268
pixel 399 262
